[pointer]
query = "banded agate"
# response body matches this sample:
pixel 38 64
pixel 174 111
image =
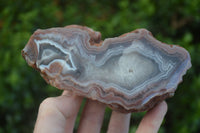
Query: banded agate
pixel 129 73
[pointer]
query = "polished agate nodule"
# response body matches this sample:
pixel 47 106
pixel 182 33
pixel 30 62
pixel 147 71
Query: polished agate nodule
pixel 129 73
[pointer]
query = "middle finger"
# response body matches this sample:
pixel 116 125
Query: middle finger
pixel 92 117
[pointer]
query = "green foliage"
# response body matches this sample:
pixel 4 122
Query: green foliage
pixel 22 89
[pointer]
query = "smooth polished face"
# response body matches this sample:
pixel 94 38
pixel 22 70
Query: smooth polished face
pixel 129 73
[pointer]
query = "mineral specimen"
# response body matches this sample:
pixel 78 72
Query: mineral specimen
pixel 129 73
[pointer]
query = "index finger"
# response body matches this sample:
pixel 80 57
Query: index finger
pixel 58 114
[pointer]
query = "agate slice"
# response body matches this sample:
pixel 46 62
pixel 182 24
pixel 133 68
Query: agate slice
pixel 129 73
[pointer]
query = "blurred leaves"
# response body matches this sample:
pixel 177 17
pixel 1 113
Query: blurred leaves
pixel 22 88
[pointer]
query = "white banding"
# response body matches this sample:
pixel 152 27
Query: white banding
pixel 46 56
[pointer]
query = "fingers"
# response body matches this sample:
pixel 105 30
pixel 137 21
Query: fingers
pixel 119 122
pixel 58 114
pixel 92 117
pixel 152 120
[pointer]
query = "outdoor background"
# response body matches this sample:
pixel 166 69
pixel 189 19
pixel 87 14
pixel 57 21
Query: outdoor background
pixel 22 89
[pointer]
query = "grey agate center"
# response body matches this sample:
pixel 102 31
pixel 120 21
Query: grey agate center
pixel 132 66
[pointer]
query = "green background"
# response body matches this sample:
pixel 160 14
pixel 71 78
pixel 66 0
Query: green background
pixel 22 89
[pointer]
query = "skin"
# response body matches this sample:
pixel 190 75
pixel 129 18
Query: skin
pixel 58 114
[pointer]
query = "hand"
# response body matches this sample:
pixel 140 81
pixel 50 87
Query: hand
pixel 58 115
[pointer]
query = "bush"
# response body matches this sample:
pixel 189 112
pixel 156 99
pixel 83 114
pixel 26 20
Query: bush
pixel 22 89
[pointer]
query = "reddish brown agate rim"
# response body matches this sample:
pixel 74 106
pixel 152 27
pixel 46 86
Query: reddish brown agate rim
pixel 98 92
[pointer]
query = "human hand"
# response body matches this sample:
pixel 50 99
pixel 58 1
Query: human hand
pixel 58 115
